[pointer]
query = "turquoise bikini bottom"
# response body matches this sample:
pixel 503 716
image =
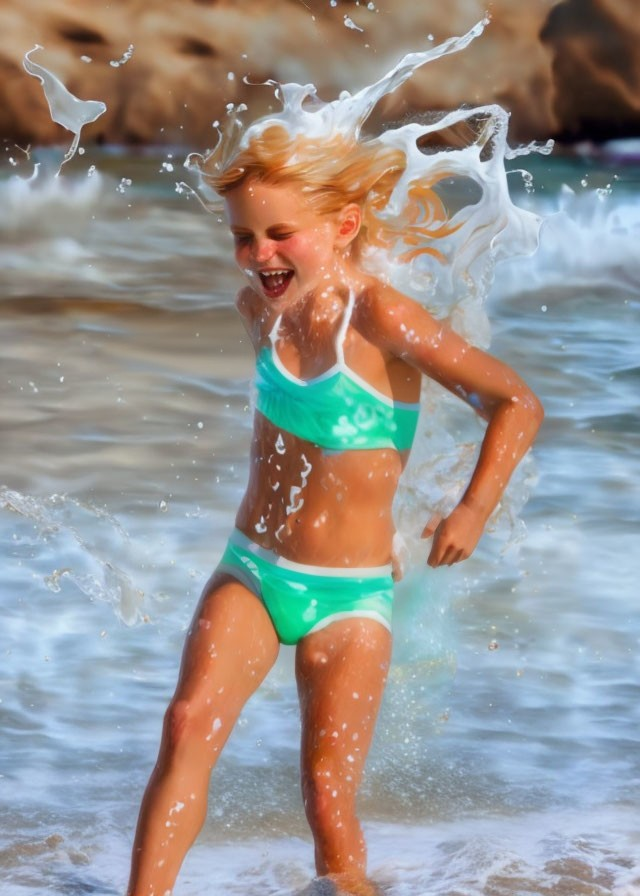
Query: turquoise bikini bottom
pixel 301 599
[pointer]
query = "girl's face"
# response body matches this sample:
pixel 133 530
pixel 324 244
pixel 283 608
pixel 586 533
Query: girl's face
pixel 285 248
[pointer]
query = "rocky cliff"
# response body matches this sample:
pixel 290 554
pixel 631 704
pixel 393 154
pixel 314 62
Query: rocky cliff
pixel 564 68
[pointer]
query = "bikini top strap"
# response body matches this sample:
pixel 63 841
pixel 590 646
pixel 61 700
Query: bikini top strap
pixel 340 335
pixel 342 329
pixel 273 333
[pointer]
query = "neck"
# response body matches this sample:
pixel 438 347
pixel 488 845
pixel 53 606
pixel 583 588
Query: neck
pixel 316 318
pixel 322 309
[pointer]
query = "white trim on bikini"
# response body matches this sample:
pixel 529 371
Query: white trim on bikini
pixel 340 365
pixel 239 539
pixel 349 614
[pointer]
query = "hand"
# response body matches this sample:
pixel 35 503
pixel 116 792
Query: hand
pixel 454 537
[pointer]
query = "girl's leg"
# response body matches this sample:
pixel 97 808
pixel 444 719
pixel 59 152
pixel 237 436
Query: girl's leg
pixel 230 647
pixel 341 672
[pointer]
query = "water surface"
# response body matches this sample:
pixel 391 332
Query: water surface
pixel 507 758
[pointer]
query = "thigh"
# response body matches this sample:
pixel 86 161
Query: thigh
pixel 341 672
pixel 230 646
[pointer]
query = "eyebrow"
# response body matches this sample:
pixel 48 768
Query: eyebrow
pixel 274 228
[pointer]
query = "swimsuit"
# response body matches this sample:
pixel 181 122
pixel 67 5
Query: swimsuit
pixel 301 599
pixel 337 410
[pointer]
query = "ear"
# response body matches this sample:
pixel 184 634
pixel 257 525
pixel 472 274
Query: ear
pixel 349 223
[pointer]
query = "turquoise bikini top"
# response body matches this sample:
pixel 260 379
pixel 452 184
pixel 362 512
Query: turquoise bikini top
pixel 337 410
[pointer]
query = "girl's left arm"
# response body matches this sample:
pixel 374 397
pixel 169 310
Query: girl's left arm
pixel 494 390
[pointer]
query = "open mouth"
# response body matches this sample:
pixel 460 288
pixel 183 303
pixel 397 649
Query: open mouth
pixel 274 283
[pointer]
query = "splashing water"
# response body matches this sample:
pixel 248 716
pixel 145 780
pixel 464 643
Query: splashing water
pixel 483 226
pixel 61 520
pixel 65 108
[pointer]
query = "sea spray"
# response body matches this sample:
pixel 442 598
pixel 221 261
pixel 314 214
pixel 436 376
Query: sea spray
pixel 88 538
pixel 65 108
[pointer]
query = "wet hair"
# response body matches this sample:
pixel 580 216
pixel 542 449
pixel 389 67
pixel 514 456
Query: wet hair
pixel 332 172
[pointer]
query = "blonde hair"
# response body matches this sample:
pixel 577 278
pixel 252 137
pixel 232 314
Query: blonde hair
pixel 333 172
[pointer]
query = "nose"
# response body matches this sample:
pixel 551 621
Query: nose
pixel 263 250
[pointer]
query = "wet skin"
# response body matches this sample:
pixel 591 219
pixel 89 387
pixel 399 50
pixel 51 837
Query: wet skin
pixel 391 342
pixel 330 509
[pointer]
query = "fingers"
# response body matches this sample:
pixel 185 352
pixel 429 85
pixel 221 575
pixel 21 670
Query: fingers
pixel 445 557
pixel 450 545
pixel 431 526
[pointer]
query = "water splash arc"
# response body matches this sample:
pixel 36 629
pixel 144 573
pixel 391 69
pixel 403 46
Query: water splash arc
pixel 65 108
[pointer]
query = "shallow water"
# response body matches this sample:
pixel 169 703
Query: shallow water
pixel 507 757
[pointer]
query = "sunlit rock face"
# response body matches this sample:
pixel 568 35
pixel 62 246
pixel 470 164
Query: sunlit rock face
pixel 561 67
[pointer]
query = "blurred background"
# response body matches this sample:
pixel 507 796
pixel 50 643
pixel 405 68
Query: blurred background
pixel 568 69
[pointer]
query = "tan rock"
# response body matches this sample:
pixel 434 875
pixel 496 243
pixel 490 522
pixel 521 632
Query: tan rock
pixel 595 46
pixel 560 66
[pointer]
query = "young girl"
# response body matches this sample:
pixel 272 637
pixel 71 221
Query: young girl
pixel 340 355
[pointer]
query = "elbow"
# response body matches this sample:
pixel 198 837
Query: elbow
pixel 535 411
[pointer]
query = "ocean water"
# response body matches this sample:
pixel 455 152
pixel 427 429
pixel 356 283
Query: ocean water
pixel 507 757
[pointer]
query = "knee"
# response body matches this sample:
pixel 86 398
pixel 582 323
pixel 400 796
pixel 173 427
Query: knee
pixel 190 722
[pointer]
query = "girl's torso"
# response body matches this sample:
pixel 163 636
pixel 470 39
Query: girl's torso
pixel 334 421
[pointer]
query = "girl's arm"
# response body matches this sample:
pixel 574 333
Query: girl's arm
pixel 493 389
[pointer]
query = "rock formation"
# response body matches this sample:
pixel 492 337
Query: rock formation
pixel 568 68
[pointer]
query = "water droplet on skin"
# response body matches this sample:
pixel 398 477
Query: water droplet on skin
pixel 292 506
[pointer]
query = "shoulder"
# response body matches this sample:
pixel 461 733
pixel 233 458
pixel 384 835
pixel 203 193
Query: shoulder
pixel 391 319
